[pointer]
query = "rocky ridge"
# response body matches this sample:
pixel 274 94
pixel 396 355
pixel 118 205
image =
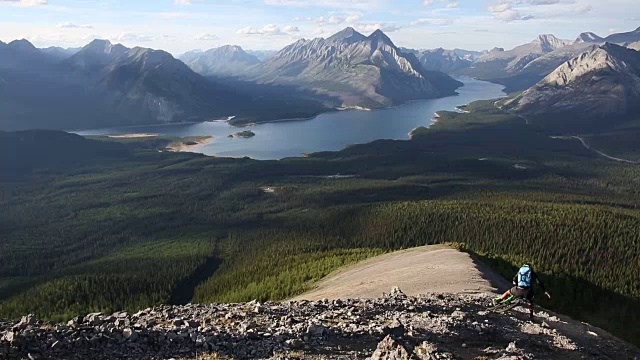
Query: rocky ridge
pixel 601 82
pixel 394 326
pixel 365 71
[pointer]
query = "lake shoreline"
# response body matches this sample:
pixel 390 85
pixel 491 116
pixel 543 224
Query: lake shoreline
pixel 335 130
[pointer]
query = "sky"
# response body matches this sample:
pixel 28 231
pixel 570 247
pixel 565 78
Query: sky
pixel 178 26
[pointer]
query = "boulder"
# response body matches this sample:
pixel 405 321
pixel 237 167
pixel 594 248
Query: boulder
pixel 316 330
pixel 130 334
pixel 390 349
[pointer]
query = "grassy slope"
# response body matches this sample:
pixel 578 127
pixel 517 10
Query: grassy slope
pixel 127 231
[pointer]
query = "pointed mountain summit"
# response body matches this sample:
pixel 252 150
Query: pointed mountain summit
pixel 228 60
pixel 602 83
pixel 22 55
pixel 378 34
pixel 357 70
pixel 95 55
pixel 22 45
pixel 549 42
pixel 588 37
pixel 348 34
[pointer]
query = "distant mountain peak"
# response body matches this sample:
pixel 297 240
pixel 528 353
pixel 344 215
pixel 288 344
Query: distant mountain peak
pixel 98 43
pixel 348 33
pixel 380 35
pixel 549 42
pixel 586 37
pixel 224 60
pixel 22 44
pixel 104 46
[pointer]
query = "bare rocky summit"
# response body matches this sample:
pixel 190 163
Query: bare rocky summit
pixel 361 71
pixel 392 327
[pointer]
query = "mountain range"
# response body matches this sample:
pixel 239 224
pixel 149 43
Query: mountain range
pixel 525 65
pixel 105 84
pixel 595 90
pixel 356 70
pixel 362 71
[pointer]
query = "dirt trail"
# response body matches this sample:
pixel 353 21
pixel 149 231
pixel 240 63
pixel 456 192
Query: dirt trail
pixel 426 269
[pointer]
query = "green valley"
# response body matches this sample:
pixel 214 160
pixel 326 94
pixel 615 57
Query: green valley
pixel 102 225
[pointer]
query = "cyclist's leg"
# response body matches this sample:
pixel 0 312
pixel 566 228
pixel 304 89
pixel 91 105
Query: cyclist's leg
pixel 505 295
pixel 530 295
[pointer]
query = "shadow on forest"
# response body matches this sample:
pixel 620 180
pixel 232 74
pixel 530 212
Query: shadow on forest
pixel 185 289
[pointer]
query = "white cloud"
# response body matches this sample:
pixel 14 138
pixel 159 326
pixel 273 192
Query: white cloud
pixel 583 9
pixel 373 27
pixel 450 4
pixel 183 2
pixel 335 4
pixel 132 37
pixel 268 30
pixel 70 25
pixel 207 37
pixel 291 29
pixel 432 22
pixel 27 3
pixel 505 12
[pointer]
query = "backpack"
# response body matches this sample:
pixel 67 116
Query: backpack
pixel 524 277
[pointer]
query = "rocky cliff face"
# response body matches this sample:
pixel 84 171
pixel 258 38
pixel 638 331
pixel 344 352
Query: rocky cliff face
pixel 367 71
pixel 599 83
pixel 520 56
pixel 227 60
pixel 392 327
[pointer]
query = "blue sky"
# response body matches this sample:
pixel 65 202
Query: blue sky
pixel 181 25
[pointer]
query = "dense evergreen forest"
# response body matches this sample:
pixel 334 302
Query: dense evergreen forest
pixel 96 225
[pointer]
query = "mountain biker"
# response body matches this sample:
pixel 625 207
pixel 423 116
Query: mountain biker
pixel 523 287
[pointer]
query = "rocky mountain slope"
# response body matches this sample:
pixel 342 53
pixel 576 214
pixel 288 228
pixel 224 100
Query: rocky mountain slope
pixel 446 61
pixel 522 67
pixel 227 60
pixel 625 37
pixel 145 85
pixel 392 327
pixel 366 71
pixel 21 55
pixel 518 57
pixel 59 53
pixel 601 85
pixel 106 84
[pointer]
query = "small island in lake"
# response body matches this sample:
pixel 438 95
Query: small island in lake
pixel 188 143
pixel 243 134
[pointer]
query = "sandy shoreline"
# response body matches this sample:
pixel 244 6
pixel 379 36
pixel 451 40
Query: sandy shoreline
pixel 132 136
